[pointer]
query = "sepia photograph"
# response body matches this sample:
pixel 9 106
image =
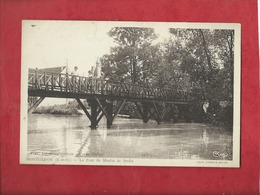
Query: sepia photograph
pixel 130 93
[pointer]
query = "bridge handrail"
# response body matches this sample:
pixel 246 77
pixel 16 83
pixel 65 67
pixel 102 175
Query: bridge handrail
pixel 65 82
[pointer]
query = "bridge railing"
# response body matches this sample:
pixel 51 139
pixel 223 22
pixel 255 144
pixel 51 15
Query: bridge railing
pixel 61 82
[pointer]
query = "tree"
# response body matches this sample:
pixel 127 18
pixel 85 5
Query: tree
pixel 207 57
pixel 200 61
pixel 135 57
pixel 170 74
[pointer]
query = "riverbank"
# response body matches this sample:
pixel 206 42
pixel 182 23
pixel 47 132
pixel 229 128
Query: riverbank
pixel 70 109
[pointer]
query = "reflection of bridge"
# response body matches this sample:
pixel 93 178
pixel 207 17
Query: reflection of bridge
pixel 106 97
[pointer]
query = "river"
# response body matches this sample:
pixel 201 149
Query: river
pixel 128 138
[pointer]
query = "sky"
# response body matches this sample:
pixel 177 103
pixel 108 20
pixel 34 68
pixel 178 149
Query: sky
pixel 52 43
pixel 73 43
pixel 56 43
pixel 47 43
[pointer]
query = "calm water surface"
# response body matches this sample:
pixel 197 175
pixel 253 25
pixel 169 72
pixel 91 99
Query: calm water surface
pixel 129 138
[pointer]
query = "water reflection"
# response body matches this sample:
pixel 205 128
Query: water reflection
pixel 129 138
pixel 205 139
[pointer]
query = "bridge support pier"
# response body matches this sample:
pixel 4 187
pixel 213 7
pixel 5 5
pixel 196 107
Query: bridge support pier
pixel 99 108
pixel 158 117
pixel 187 113
pixel 35 104
pixel 94 114
pixel 175 113
pixel 148 110
pixel 109 109
pixel 184 112
pixel 144 111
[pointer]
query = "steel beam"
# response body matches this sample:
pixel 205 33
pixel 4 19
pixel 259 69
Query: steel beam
pixel 35 105
pixel 115 113
pixel 103 110
pixel 86 111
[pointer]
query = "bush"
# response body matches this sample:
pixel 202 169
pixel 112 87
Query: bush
pixel 64 109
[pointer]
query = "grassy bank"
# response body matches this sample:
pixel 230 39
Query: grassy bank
pixel 64 109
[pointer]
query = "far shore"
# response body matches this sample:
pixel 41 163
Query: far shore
pixel 64 109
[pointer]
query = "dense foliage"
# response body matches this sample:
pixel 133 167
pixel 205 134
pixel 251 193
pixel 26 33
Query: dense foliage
pixel 135 59
pixel 198 61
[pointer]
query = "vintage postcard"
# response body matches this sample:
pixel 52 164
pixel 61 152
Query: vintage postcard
pixel 130 93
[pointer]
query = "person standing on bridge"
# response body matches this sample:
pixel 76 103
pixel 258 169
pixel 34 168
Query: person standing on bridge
pixel 75 71
pixel 74 78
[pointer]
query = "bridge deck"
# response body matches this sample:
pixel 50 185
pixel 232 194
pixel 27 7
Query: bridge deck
pixel 60 85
